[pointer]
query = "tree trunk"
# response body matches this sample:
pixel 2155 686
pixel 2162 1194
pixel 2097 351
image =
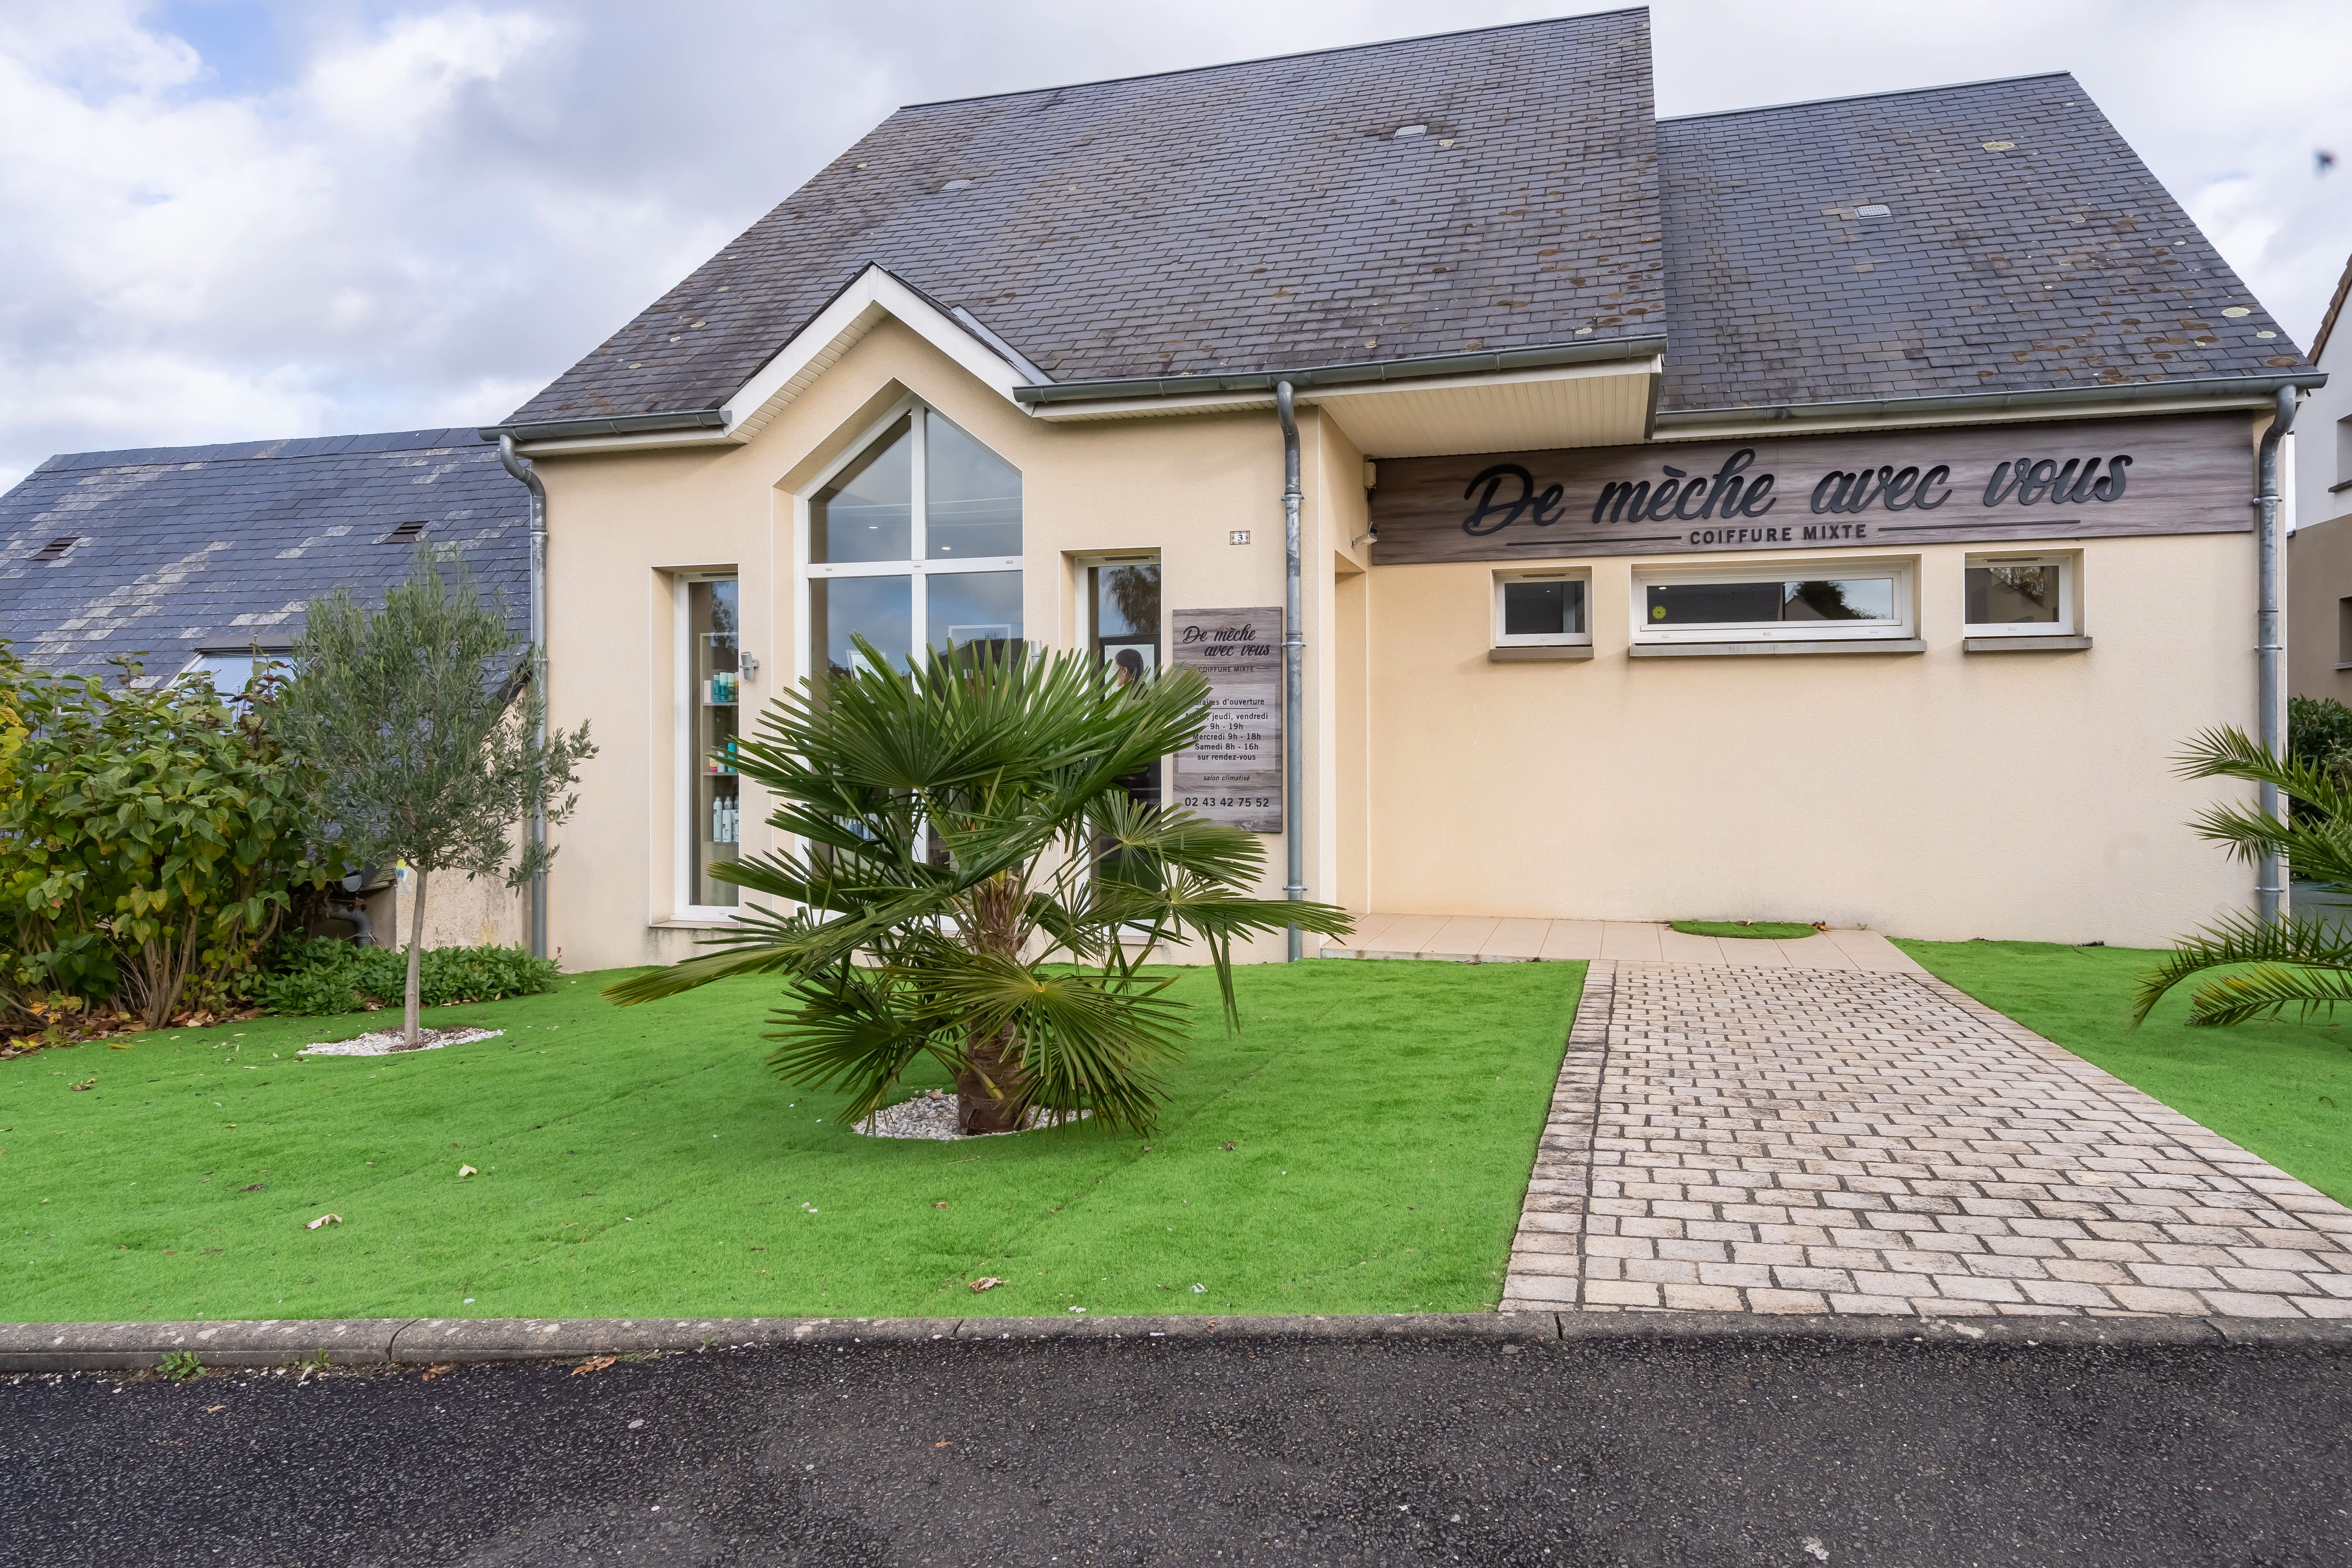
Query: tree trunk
pixel 977 1110
pixel 412 1000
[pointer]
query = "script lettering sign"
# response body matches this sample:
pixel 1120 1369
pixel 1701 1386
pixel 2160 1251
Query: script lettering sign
pixel 2168 474
pixel 1233 773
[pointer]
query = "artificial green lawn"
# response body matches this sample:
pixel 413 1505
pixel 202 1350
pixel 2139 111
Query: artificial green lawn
pixel 2282 1089
pixel 643 1162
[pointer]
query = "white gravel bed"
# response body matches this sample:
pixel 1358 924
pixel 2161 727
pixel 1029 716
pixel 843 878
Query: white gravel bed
pixel 932 1114
pixel 385 1042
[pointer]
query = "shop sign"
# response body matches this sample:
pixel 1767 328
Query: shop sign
pixel 2178 474
pixel 1233 773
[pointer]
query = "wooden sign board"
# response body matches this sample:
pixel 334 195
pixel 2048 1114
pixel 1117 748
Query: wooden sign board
pixel 1233 773
pixel 2166 474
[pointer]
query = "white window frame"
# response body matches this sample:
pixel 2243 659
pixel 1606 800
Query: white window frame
pixel 1903 628
pixel 2069 621
pixel 684 705
pixel 1543 639
pixel 919 570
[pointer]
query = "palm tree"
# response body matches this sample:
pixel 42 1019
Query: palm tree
pixel 975 885
pixel 2303 963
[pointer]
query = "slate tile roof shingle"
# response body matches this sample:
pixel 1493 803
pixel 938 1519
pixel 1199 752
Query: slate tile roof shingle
pixel 1224 220
pixel 1266 216
pixel 2051 259
pixel 189 548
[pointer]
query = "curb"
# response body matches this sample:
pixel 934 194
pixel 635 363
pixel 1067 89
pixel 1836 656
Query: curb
pixel 422 1342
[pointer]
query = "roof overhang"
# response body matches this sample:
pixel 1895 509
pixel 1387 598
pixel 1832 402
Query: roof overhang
pixel 2250 392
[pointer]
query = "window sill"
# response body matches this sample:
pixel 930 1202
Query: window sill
pixel 691 922
pixel 1519 651
pixel 2024 645
pixel 1759 650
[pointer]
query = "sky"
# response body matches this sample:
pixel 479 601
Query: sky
pixel 237 219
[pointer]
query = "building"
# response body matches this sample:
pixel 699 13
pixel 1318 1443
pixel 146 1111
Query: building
pixel 2319 552
pixel 1836 511
pixel 186 558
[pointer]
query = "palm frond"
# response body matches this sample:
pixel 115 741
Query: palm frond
pixel 2266 990
pixel 2300 941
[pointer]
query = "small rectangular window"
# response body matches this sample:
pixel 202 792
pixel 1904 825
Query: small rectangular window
pixel 2344 634
pixel 2019 596
pixel 1536 609
pixel 1842 602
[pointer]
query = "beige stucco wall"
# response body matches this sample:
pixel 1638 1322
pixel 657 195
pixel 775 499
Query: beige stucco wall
pixel 1941 795
pixel 2319 582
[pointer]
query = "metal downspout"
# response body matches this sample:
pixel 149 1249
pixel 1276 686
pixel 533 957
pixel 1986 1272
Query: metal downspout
pixel 2270 889
pixel 522 471
pixel 1292 646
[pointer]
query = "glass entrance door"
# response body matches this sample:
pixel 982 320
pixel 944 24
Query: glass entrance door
pixel 1124 603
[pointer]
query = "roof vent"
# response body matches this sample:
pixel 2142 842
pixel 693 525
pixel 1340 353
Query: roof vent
pixel 1405 130
pixel 2236 311
pixel 55 550
pixel 1999 146
pixel 957 185
pixel 406 533
pixel 1875 209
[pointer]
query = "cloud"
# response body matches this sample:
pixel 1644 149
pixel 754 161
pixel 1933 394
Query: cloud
pixel 238 219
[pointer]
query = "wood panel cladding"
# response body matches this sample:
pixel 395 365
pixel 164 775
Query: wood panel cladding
pixel 2164 474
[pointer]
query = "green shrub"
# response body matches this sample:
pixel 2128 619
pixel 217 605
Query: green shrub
pixel 323 976
pixel 155 839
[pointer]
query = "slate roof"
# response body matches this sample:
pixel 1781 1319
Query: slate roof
pixel 2054 260
pixel 1225 219
pixel 1265 217
pixel 184 548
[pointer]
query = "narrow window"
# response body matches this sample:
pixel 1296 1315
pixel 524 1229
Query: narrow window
pixel 1844 601
pixel 2344 634
pixel 1123 620
pixel 1538 609
pixel 2019 596
pixel 914 541
pixel 714 825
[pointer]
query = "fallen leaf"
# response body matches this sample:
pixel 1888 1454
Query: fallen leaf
pixel 1227 1144
pixel 211 1409
pixel 324 1219
pixel 939 1445
pixel 986 1282
pixel 436 1369
pixel 77 1088
pixel 943 1205
pixel 593 1363
pixel 465 1171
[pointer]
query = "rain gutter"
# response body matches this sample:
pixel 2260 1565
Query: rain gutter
pixel 522 471
pixel 1354 375
pixel 2230 389
pixel 618 424
pixel 2269 651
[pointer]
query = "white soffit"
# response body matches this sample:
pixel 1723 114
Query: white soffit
pixel 1574 405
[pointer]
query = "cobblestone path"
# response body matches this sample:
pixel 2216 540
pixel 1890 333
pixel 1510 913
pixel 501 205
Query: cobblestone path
pixel 1773 1139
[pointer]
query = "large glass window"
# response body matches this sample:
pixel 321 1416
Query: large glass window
pixel 2019 596
pixel 914 542
pixel 714 826
pixel 1731 606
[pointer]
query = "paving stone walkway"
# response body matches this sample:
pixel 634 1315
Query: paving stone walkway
pixel 1775 1139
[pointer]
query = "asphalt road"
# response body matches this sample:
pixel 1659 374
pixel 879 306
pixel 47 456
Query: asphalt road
pixel 1206 1452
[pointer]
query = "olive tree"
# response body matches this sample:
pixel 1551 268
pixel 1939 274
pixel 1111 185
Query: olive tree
pixel 426 732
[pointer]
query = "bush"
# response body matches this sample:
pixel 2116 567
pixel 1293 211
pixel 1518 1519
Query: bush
pixel 155 839
pixel 323 976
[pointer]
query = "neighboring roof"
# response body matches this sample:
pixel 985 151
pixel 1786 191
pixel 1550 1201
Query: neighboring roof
pixel 2335 309
pixel 1238 218
pixel 193 547
pixel 2054 261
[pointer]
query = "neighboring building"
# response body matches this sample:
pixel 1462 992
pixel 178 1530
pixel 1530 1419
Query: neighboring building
pixel 2319 552
pixel 1984 400
pixel 187 557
